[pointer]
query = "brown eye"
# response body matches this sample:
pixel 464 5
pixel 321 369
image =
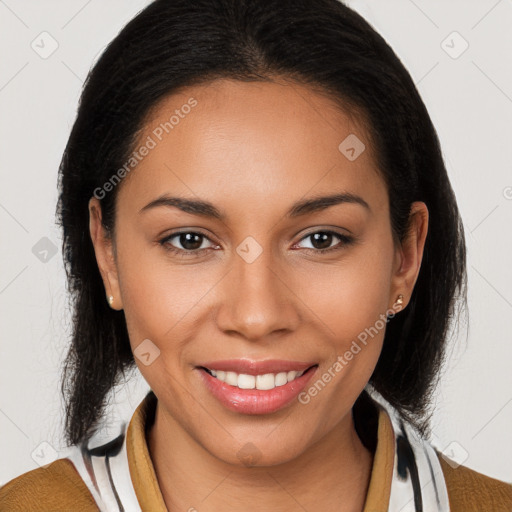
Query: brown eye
pixel 185 242
pixel 322 241
pixel 190 241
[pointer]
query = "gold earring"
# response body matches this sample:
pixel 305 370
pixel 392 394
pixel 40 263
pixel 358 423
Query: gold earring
pixel 399 300
pixel 111 300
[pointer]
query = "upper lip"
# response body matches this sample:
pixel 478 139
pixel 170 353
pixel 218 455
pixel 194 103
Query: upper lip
pixel 251 367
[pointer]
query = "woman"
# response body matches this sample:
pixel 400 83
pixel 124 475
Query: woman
pixel 259 193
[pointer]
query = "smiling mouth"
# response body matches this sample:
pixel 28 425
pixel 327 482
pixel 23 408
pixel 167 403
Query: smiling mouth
pixel 265 381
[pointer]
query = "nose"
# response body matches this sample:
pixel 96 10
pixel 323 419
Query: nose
pixel 257 299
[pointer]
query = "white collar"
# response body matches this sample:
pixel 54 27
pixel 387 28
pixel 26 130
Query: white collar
pixel 418 483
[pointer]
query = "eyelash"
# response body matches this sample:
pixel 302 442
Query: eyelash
pixel 345 240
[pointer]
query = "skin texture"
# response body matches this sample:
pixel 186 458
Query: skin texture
pixel 254 149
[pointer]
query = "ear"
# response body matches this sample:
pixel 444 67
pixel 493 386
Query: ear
pixel 409 254
pixel 103 248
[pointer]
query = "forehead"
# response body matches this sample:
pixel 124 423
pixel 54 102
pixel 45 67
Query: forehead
pixel 227 140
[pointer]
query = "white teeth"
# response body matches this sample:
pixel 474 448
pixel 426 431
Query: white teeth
pixel 246 381
pixel 262 382
pixel 231 378
pixel 291 375
pixel 281 379
pixel 267 381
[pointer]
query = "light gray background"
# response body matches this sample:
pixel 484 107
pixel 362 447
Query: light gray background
pixel 470 101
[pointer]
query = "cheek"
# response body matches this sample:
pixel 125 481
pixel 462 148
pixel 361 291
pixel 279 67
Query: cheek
pixel 352 304
pixel 160 297
pixel 350 297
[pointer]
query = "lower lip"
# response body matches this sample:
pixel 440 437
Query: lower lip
pixel 256 401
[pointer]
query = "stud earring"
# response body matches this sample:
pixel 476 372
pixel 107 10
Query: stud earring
pixel 399 300
pixel 111 300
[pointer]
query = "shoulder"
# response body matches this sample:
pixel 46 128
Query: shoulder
pixel 55 487
pixel 470 491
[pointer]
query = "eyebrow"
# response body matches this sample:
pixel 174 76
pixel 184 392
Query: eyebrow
pixel 303 207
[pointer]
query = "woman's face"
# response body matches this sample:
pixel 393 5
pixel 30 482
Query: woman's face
pixel 251 282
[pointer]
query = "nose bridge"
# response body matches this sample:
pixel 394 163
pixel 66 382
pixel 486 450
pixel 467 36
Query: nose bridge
pixel 255 270
pixel 256 302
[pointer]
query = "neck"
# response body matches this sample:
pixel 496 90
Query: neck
pixel 332 475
